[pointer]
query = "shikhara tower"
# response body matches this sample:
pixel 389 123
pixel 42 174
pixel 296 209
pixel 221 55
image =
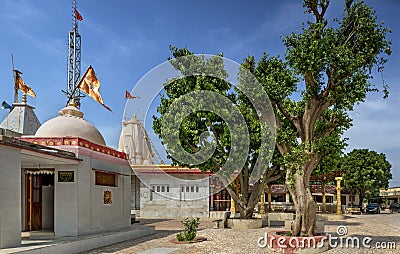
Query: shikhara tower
pixel 74 59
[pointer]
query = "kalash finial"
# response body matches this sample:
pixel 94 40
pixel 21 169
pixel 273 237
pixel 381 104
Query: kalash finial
pixel 72 103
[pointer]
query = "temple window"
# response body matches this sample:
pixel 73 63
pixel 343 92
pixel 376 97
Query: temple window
pixel 106 179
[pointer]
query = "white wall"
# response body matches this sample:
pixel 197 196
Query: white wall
pixel 10 197
pixel 172 204
pixel 84 179
pixel 79 208
pixel 66 204
pixel 48 207
pixel 93 214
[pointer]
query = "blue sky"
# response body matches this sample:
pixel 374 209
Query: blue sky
pixel 124 39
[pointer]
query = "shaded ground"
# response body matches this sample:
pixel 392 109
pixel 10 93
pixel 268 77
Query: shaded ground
pixel 383 229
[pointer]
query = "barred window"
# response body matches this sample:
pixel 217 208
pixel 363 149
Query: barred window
pixel 157 191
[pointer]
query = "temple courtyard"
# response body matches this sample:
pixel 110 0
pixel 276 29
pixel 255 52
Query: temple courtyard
pixel 383 229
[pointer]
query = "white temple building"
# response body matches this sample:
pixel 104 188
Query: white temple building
pixel 135 142
pixel 63 179
pixel 161 190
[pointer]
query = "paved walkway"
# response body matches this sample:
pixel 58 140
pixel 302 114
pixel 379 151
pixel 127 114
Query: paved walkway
pixel 382 228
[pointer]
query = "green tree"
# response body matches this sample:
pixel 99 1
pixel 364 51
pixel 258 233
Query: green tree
pixel 326 71
pixel 205 134
pixel 365 172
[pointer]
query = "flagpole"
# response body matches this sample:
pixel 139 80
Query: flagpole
pixel 75 87
pixel 15 80
pixel 75 23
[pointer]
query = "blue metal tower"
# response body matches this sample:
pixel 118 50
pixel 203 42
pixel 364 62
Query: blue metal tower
pixel 74 60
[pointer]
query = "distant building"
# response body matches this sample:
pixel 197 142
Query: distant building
pixel 171 192
pixel 390 195
pixel 135 143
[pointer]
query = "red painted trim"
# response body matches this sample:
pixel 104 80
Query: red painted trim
pixel 37 150
pixel 75 141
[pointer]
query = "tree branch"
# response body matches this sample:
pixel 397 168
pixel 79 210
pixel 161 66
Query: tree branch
pixel 312 5
pixel 293 119
pixel 214 131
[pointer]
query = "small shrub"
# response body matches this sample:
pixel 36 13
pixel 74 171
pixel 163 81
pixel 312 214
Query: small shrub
pixel 189 231
pixel 180 237
pixel 190 235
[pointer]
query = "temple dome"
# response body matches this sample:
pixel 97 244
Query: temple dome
pixel 70 123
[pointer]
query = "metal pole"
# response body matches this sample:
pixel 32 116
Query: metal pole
pixel 15 80
pixel 74 51
pixel 75 87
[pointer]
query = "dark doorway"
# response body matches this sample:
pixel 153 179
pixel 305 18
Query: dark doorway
pixel 33 199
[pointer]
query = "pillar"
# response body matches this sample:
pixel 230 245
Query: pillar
pixel 233 208
pixel 212 202
pixel 339 199
pixel 233 205
pixel 269 197
pixel 323 198
pixel 262 202
pixel 287 198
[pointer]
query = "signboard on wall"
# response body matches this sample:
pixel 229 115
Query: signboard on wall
pixel 66 176
pixel 107 197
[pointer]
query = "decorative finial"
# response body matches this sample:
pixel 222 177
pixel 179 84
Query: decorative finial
pixel 24 100
pixel 71 111
pixel 72 103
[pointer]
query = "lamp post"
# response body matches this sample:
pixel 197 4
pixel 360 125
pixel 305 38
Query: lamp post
pixel 339 200
pixel 262 198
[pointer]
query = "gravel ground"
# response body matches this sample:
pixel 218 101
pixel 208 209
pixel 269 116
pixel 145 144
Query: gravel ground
pixel 381 228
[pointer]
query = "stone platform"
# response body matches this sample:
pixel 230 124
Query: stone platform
pixel 47 243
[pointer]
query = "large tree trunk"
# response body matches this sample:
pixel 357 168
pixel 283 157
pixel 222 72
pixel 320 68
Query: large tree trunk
pixel 304 222
pixel 362 196
pixel 247 212
pixel 245 201
pixel 245 204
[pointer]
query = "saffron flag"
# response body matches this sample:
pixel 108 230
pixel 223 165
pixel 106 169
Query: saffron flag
pixel 130 96
pixel 20 84
pixel 90 85
pixel 78 15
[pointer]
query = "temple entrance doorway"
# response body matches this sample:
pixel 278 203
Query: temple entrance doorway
pixel 39 200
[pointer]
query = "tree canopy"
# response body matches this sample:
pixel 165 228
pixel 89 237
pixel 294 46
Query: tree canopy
pixel 326 71
pixel 208 123
pixel 365 172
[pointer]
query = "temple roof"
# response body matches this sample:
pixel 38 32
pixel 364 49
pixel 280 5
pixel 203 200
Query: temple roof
pixel 21 119
pixel 22 144
pixel 65 143
pixel 70 123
